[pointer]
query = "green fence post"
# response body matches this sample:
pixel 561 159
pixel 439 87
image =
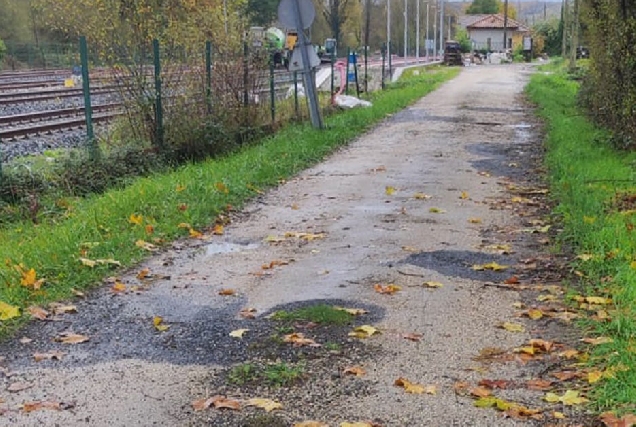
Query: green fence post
pixel 333 61
pixel 272 90
pixel 296 110
pixel 208 75
pixel 383 61
pixel 93 148
pixel 158 101
pixel 366 68
pixel 355 73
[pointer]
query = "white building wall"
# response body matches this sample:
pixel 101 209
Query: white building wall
pixel 480 37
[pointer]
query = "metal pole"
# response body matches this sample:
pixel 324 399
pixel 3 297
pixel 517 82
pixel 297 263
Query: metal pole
pixel 333 62
pixel 158 100
pixel 441 25
pixel 388 29
pixel 296 109
pixel 383 62
pixel 347 73
pixel 505 29
pixel 308 76
pixel 427 16
pixel 417 32
pixel 435 36
pixel 406 27
pixel 88 109
pixel 246 98
pixel 272 89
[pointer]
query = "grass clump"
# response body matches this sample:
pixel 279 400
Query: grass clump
pixel 243 373
pixel 276 374
pixel 592 181
pixel 322 314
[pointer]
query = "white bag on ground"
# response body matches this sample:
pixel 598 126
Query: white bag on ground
pixel 347 101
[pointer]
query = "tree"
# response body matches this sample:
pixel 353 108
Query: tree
pixel 262 12
pixel 335 13
pixel 512 11
pixel 551 32
pixel 483 7
pixel 3 50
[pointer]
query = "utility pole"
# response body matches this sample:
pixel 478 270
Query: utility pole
pixel 406 28
pixel 441 25
pixel 575 35
pixel 505 29
pixel 417 32
pixel 388 33
pixel 427 20
pixel 564 28
pixel 435 35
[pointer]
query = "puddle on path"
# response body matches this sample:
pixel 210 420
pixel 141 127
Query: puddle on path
pixel 229 247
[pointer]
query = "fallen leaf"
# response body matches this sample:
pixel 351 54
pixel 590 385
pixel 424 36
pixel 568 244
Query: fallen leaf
pixel 295 206
pixel 25 340
pixel 490 266
pixel 248 313
pixel 71 338
pixel 535 314
pixel 299 340
pixel 157 322
pixel 145 245
pixel 227 292
pixel 421 196
pixel 136 219
pixel 513 280
pixel 558 415
pixel 216 401
pixel 546 298
pixel 430 389
pixel 29 279
pixel 566 375
pixel 37 405
pixel 364 331
pixel 474 220
pixel 539 384
pixel 598 300
pixel 432 284
pixel 61 308
pixel 150 229
pixel 352 311
pixel 480 392
pixel 408 386
pixel 437 210
pixel 542 345
pixel 409 249
pixel 356 424
pixel 143 274
pixel 222 187
pixel 490 401
pixel 518 304
pixel 218 230
pixel 53 355
pixel 267 404
pixel 88 262
pixel 355 370
pixel 413 337
pixel 389 190
pixel 500 384
pixel 610 420
pixel 594 376
pixel 512 327
pixel 19 386
pixel 461 388
pixel 37 312
pixel 118 287
pixel 464 195
pixel 598 340
pixel 570 397
pixel 238 333
pixel 310 424
pixel 388 289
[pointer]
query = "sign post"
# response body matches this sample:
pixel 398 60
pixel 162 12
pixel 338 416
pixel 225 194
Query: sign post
pixel 300 14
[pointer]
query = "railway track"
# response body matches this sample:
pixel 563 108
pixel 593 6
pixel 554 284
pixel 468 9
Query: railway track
pixel 13 98
pixel 48 128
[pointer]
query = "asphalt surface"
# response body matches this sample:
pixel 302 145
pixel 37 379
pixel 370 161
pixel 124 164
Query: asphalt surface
pixel 453 145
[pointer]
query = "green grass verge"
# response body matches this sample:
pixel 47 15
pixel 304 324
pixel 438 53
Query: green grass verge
pixel 99 227
pixel 592 183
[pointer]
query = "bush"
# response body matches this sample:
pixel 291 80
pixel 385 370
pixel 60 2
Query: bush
pixel 3 51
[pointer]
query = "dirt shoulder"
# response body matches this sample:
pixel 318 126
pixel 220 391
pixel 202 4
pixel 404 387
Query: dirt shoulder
pixel 370 221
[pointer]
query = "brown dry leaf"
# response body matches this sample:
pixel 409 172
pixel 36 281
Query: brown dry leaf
pixel 143 274
pixel 53 355
pixel 221 187
pixel 364 331
pixel 227 292
pixel 430 389
pixel 157 322
pixel 19 386
pixel 474 220
pixel 539 384
pixel 299 340
pixel 62 309
pixel 145 245
pixel 461 388
pixel 274 263
pixel 37 405
pixel 598 340
pixel 38 312
pixel 118 287
pixel 218 402
pixel 71 338
pixel 387 290
pixel 566 375
pixel 610 420
pixel 248 313
pixel 358 424
pixel 355 370
pixel 500 384
pixel 408 386
pixel 512 327
pixel 546 298
pixel 267 404
pixel 480 392
pixel 413 337
pixel 542 345
pixel 310 424
pixel 512 280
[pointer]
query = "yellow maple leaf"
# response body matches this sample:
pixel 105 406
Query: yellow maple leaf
pixel 157 321
pixel 409 387
pixel 218 230
pixel 267 404
pixel 136 219
pixel 389 190
pixel 29 279
pixel 421 196
pixel 8 311
pixel 238 333
pixel 437 210
pixel 512 327
pixel 464 195
pixel 433 284
pixel 535 314
pixel 490 266
pixel 195 234
pixel 364 331
pixel 594 376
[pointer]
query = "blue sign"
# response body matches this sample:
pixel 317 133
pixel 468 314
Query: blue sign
pixel 351 77
pixel 353 58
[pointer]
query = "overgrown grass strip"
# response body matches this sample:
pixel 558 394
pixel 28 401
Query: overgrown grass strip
pixel 595 190
pixel 100 227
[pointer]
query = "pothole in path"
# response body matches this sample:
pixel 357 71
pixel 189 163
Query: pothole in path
pixel 460 263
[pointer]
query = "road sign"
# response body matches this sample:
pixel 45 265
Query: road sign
pixel 287 17
pixel 297 64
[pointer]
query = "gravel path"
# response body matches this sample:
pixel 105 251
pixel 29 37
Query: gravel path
pixel 129 374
